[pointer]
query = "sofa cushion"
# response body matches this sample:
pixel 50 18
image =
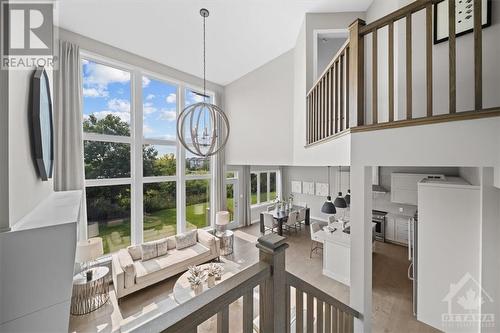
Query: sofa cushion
pixel 176 261
pixel 206 238
pixel 127 264
pixel 162 247
pixel 149 251
pixel 135 252
pixel 186 239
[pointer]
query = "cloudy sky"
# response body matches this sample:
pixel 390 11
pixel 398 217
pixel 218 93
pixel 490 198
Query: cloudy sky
pixel 106 90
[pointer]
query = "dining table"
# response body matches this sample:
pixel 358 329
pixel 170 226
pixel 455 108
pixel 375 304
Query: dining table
pixel 281 216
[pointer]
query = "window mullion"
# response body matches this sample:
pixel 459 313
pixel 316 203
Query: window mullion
pixel 136 160
pixel 181 171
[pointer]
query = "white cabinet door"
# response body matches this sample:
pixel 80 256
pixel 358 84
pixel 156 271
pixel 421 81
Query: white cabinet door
pixel 402 230
pixel 390 228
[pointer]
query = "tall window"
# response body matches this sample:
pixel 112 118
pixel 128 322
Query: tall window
pixel 107 153
pixel 129 201
pixel 198 179
pixel 159 150
pixel 263 187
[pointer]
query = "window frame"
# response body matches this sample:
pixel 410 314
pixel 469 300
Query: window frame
pixel 136 141
pixel 268 186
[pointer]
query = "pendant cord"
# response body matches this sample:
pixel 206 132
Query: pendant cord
pixel 204 61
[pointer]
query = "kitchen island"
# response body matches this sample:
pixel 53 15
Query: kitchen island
pixel 337 254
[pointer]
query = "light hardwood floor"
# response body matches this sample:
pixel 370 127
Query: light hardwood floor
pixel 391 289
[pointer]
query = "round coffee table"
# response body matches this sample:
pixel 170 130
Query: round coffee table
pixel 182 288
pixel 90 295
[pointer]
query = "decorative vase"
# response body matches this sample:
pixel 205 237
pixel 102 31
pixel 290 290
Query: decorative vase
pixel 211 281
pixel 198 289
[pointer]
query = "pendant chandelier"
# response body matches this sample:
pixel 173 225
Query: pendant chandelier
pixel 328 207
pixel 340 202
pixel 203 128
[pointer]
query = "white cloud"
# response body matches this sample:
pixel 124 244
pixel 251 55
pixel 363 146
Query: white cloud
pixel 148 108
pixel 145 81
pixel 124 116
pixel 171 98
pixel 147 129
pixel 168 115
pixel 150 97
pixel 95 92
pixel 163 137
pixel 119 105
pixel 100 75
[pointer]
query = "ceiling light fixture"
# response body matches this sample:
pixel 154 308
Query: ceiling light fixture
pixel 340 201
pixel 328 206
pixel 205 124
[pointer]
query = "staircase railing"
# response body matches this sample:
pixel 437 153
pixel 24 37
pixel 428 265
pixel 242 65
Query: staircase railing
pixel 277 313
pixel 324 98
pixel 328 100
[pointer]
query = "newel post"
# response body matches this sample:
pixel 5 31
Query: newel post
pixel 273 290
pixel 356 74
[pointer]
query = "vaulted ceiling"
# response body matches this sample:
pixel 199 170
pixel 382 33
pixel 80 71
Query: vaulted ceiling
pixel 241 34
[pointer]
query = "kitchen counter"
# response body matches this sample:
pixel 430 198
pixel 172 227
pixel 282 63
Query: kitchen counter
pixel 337 255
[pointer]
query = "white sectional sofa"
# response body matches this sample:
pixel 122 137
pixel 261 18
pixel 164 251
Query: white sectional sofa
pixel 131 273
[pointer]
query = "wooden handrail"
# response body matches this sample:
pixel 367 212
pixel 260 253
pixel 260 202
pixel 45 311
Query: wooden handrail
pixel 397 15
pixel 197 310
pixel 297 282
pixel 330 64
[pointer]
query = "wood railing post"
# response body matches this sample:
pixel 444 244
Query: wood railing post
pixel 273 290
pixel 356 74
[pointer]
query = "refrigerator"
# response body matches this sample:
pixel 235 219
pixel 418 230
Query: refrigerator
pixel 447 247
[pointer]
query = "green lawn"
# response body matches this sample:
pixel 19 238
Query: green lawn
pixel 162 223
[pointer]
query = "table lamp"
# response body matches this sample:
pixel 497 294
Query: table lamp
pixel 88 251
pixel 222 220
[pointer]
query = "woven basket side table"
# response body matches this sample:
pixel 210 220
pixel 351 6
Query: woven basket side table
pixel 90 295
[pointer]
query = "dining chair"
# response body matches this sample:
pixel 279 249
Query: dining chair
pixel 269 222
pixel 291 221
pixel 316 241
pixel 302 217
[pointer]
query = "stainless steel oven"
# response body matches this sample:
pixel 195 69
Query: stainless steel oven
pixel 378 217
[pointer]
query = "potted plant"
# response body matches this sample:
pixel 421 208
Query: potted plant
pixel 195 278
pixel 214 272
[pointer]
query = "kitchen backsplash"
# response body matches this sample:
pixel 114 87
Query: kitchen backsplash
pixel 382 201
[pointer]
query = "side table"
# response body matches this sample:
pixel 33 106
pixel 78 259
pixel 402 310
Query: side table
pixel 226 242
pixel 90 295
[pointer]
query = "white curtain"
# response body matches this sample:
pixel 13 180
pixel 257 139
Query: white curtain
pixel 246 197
pixel 68 164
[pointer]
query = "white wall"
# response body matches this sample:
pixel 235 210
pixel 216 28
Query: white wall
pixel 259 106
pixel 4 150
pixel 490 244
pixel 471 175
pixel 327 48
pixel 26 189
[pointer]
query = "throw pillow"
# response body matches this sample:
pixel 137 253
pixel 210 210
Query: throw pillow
pixel 186 240
pixel 135 252
pixel 149 251
pixel 162 246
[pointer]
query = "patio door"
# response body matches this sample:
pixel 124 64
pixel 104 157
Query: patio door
pixel 232 195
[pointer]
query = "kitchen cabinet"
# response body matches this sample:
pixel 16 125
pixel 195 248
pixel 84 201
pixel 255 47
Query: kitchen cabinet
pixel 390 228
pixel 404 186
pixel 396 229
